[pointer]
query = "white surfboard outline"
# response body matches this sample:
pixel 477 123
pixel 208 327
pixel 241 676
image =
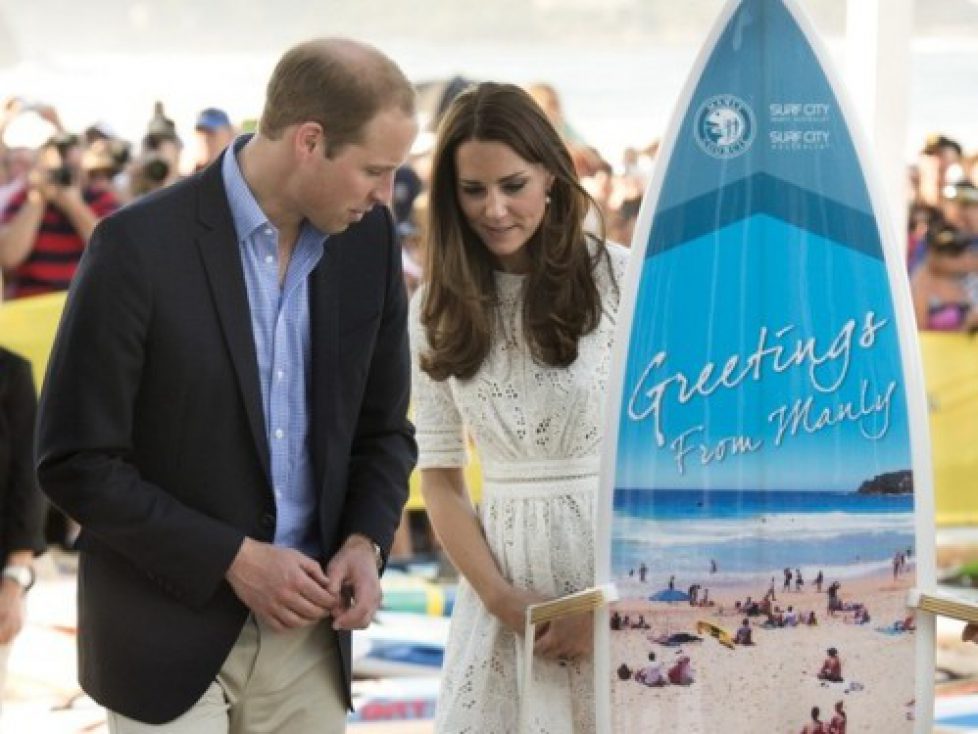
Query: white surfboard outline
pixel 917 418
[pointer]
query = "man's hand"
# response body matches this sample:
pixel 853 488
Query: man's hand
pixel 11 611
pixel 283 587
pixel 354 581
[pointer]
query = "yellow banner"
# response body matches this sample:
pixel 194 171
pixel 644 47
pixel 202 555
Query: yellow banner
pixel 28 325
pixel 951 377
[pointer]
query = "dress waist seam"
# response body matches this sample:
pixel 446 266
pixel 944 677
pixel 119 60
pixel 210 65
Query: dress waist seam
pixel 541 470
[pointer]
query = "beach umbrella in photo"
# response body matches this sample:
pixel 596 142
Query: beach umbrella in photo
pixel 669 595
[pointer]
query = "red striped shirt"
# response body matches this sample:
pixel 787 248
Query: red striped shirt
pixel 57 246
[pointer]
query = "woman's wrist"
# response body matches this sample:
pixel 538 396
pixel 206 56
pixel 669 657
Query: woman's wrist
pixel 495 597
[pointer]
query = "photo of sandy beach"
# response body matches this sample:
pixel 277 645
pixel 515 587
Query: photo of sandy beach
pixel 829 573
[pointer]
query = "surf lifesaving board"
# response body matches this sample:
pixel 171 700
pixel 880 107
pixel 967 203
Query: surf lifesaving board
pixel 766 438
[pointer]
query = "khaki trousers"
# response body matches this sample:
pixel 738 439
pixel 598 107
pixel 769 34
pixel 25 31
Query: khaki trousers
pixel 271 683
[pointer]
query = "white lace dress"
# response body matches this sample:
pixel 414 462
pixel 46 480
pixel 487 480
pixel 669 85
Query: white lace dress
pixel 537 430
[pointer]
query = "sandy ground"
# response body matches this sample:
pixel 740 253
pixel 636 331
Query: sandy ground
pixel 778 672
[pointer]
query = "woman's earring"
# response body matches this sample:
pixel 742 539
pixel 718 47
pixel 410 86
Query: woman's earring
pixel 547 200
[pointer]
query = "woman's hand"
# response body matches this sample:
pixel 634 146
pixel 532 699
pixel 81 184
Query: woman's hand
pixel 510 607
pixel 567 638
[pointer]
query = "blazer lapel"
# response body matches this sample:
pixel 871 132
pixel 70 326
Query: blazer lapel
pixel 218 244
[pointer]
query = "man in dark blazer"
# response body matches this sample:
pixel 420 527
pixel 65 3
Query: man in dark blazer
pixel 21 504
pixel 225 414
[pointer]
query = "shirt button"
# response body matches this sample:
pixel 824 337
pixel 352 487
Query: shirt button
pixel 279 433
pixel 280 374
pixel 268 231
pixel 269 259
pixel 278 494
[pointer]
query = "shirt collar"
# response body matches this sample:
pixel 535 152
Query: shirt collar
pixel 245 210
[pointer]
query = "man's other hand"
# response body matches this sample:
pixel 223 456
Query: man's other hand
pixel 283 587
pixel 354 581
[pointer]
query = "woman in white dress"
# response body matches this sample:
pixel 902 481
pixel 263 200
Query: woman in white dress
pixel 511 336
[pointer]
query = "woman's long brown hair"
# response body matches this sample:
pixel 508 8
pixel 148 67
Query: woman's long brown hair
pixel 561 300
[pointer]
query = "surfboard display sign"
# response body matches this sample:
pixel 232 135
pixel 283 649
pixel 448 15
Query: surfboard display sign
pixel 766 492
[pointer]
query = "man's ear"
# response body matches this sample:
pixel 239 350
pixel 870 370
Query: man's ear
pixel 308 136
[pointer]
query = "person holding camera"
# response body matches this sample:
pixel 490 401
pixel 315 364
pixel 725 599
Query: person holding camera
pixel 17 161
pixel 158 163
pixel 44 229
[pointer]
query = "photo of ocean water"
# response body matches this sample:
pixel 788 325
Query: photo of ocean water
pixel 753 535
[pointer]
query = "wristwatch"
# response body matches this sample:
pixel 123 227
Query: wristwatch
pixel 378 553
pixel 378 556
pixel 23 576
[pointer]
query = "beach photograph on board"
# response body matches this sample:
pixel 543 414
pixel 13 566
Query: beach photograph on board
pixel 763 516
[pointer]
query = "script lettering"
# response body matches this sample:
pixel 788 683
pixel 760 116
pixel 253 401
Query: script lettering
pixel 826 364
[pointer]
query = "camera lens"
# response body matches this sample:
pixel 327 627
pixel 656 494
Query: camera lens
pixel 61 176
pixel 156 170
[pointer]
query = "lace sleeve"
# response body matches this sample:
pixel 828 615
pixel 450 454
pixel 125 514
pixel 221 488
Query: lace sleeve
pixel 440 433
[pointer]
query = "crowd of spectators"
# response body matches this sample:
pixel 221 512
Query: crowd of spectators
pixel 53 193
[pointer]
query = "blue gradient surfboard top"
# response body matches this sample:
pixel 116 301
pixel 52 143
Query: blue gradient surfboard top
pixel 767 415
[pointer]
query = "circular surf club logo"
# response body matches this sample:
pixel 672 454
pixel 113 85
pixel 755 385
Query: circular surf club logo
pixel 725 126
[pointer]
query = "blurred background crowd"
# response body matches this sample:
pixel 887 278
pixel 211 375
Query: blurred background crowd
pixel 56 183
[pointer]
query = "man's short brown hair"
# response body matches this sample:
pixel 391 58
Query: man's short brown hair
pixel 339 83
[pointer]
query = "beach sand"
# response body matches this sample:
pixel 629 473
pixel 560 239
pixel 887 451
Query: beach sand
pixel 777 676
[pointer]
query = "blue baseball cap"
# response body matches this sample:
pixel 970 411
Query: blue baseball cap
pixel 212 118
